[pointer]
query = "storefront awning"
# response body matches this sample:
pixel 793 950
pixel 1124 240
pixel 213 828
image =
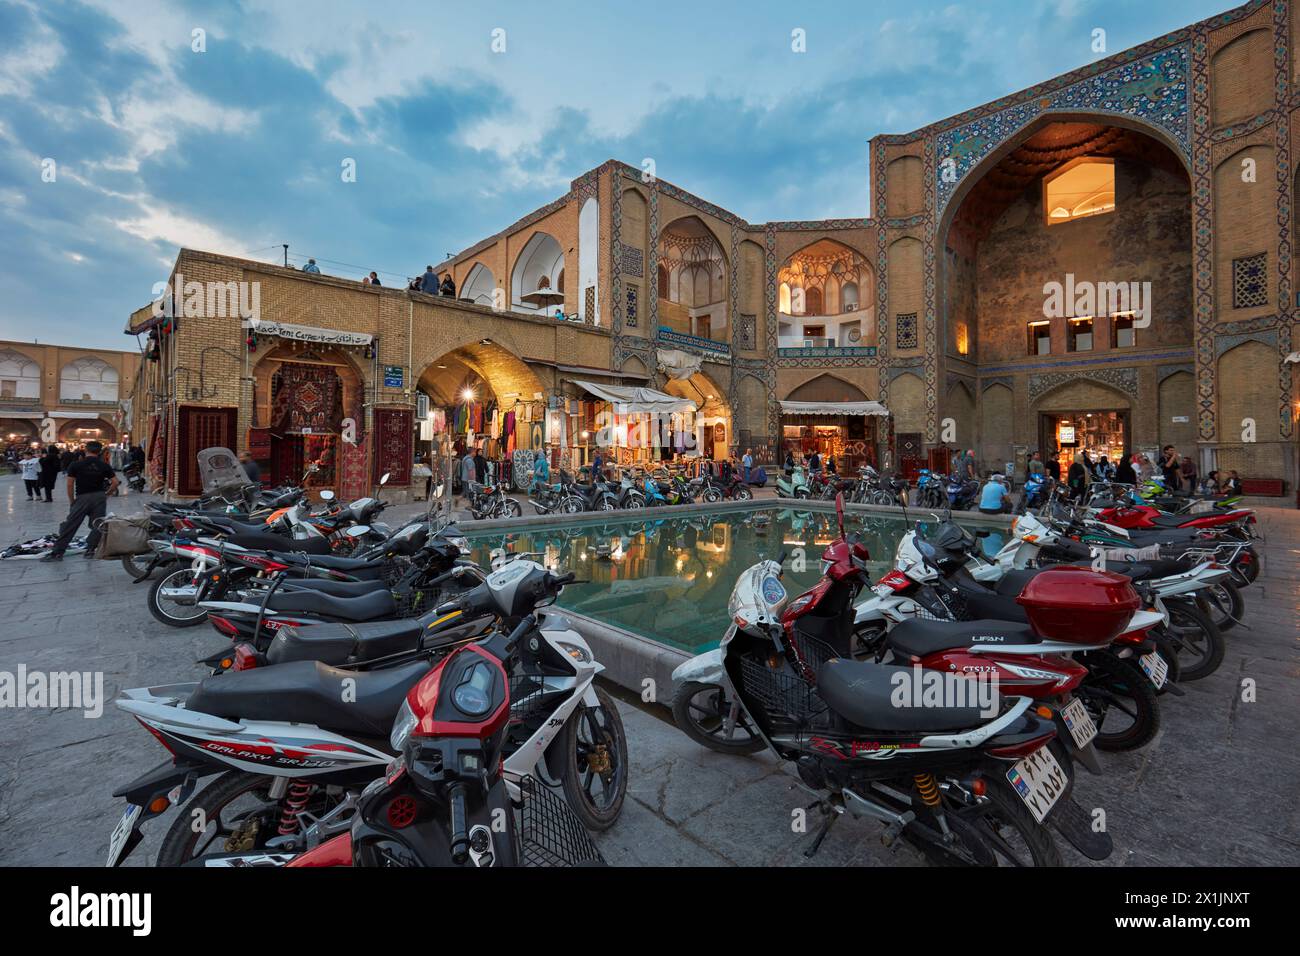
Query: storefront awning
pixel 632 399
pixel 834 408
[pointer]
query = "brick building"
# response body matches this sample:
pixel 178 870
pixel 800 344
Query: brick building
pixel 1103 262
pixel 65 393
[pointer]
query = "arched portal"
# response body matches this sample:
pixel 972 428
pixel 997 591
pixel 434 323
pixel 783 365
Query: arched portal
pixel 849 440
pixel 1084 415
pixel 303 399
pixel 20 377
pixel 693 283
pixel 827 291
pixel 712 423
pixel 538 270
pixel 88 379
pixel 77 431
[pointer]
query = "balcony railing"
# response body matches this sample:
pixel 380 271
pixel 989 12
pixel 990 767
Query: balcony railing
pixel 692 342
pixel 827 351
pixel 107 402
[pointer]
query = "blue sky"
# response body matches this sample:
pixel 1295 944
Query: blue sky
pixel 238 149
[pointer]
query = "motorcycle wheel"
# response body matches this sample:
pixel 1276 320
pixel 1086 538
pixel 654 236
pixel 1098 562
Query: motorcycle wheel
pixel 235 806
pixel 1119 689
pixel 801 493
pixel 1000 833
pixel 1224 605
pixel 608 503
pixel 700 709
pixel 744 494
pixel 712 496
pixel 137 565
pixel 1200 644
pixel 512 508
pixel 571 506
pixel 1246 573
pixel 633 504
pixel 882 498
pixel 168 611
pixel 595 763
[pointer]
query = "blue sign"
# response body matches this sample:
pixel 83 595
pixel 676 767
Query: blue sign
pixel 394 376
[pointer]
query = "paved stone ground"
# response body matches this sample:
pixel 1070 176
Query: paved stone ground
pixel 1217 787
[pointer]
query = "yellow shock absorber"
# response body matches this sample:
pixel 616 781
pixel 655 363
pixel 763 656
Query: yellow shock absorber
pixel 927 788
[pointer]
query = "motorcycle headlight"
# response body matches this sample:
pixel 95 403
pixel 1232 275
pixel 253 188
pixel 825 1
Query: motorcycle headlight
pixel 579 654
pixel 472 695
pixel 402 726
pixel 460 544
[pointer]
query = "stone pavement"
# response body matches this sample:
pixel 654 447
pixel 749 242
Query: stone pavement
pixel 1217 787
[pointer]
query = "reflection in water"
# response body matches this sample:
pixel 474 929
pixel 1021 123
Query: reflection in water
pixel 669 579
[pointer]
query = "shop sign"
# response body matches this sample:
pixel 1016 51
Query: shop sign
pixel 1181 419
pixel 306 333
pixel 1066 435
pixel 394 376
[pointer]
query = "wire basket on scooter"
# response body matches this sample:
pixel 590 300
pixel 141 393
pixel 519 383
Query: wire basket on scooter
pixel 550 833
pixel 789 689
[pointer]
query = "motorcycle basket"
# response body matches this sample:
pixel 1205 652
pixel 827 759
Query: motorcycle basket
pixel 789 690
pixel 550 834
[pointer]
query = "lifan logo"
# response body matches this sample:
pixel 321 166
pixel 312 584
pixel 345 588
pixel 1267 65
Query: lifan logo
pixel 77 909
pixel 53 690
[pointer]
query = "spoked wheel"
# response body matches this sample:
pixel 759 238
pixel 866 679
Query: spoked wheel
pixel 608 503
pixel 744 494
pixel 1121 701
pixel 999 832
pixel 633 504
pixel 512 508
pixel 594 751
pixel 701 711
pixel 174 597
pixel 712 496
pixel 137 565
pixel 1200 644
pixel 235 813
pixel 571 506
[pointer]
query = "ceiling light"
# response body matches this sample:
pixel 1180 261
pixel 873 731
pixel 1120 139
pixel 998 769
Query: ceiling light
pixel 468 394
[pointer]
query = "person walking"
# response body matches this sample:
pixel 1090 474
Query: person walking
pixel 1077 477
pixel 468 475
pixel 1125 474
pixel 480 465
pixel 541 473
pixel 50 465
pixel 31 469
pixel 91 480
pixel 746 463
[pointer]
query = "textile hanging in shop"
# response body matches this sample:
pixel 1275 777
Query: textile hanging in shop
pixel 426 429
pixel 393 451
pixel 627 398
pixel 307 399
pixel 352 471
pixel 536 437
pixel 158 447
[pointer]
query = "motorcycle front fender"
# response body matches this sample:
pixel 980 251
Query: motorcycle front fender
pixel 704 668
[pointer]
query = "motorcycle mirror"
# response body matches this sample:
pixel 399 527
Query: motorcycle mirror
pixel 327 495
pixel 438 492
pixel 383 479
pixel 358 531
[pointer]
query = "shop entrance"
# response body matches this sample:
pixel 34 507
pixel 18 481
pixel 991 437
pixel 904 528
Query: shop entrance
pixel 850 440
pixel 1062 435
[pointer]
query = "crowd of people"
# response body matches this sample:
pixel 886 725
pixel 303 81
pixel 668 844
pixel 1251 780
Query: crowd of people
pixel 430 282
pixel 1178 472
pixel 40 467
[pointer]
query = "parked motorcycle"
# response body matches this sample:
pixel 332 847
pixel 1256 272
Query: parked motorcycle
pixel 795 485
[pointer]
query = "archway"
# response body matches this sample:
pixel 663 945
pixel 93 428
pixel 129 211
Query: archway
pixel 711 425
pixel 301 399
pixel 539 267
pixel 480 285
pixel 822 289
pixel 78 431
pixel 20 377
pixel 88 379
pixel 1084 415
pixel 693 286
pixel 848 440
pixel 17 431
pixel 1100 202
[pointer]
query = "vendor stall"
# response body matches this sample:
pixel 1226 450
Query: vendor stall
pixel 844 431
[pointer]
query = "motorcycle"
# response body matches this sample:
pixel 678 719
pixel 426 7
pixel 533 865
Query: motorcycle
pixel 295 744
pixel 963 784
pixel 793 486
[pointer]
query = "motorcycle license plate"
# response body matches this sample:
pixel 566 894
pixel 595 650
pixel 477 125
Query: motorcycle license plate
pixel 1039 780
pixel 123 830
pixel 1079 722
pixel 1155 667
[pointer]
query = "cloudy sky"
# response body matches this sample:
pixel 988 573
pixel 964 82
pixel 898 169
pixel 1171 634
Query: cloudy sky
pixel 238 149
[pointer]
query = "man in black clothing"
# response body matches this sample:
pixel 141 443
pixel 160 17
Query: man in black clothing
pixel 93 480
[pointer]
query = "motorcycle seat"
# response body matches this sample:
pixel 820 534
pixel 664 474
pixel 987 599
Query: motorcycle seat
pixel 330 586
pixel 921 637
pixel 344 643
pixel 863 694
pixel 365 607
pixel 1173 521
pixel 312 693
pixel 333 562
pixel 278 543
pixel 1145 570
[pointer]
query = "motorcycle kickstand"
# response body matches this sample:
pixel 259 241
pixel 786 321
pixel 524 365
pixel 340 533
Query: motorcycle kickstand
pixel 830 813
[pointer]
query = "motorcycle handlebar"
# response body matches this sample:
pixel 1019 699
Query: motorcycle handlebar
pixel 459 827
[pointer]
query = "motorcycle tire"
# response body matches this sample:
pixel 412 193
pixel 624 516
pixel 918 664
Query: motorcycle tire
pixel 1202 643
pixel 180 573
pixel 693 714
pixel 744 494
pixel 512 509
pixel 801 494
pixel 712 496
pixel 1110 677
pixel 579 753
pixel 571 506
pixel 1010 812
pixel 1245 574
pixel 137 565
pixel 1224 605
pixel 633 504
pixel 608 503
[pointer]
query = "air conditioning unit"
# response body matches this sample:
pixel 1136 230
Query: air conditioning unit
pixel 421 405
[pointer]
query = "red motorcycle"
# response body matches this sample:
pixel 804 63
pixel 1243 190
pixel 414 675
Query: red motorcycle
pixel 1145 516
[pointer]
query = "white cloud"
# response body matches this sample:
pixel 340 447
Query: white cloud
pixel 156 223
pixel 19 68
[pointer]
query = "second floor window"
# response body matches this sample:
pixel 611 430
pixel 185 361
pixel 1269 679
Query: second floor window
pixel 1122 334
pixel 1040 337
pixel 1080 335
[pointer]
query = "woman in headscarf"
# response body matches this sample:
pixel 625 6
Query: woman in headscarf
pixel 1077 477
pixel 541 472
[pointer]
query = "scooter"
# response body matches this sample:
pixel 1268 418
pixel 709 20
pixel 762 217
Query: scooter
pixel 794 486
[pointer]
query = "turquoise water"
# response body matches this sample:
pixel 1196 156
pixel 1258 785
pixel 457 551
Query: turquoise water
pixel 669 579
